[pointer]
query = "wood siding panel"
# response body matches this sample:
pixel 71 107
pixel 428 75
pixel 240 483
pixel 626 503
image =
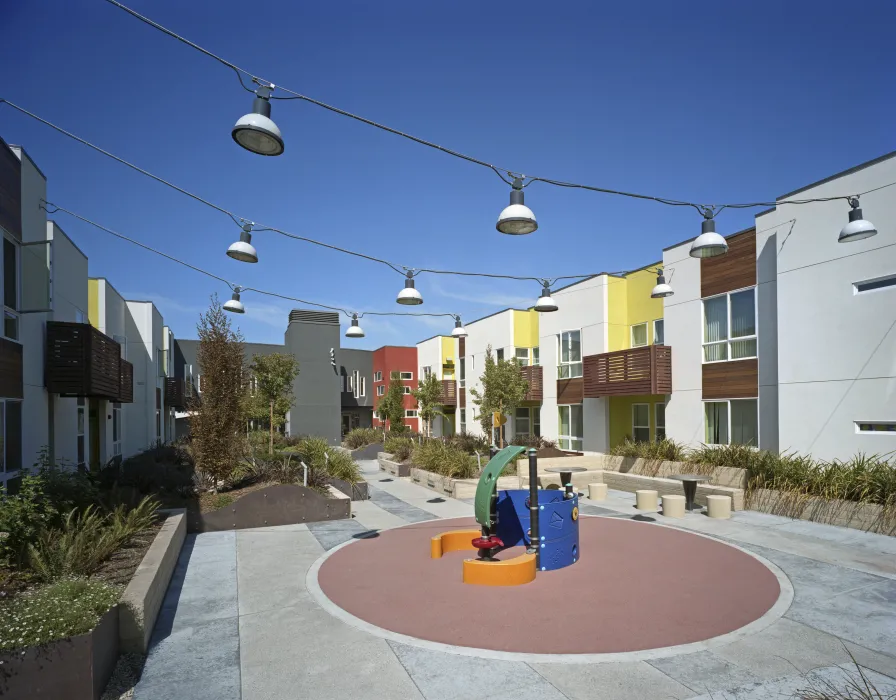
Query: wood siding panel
pixel 462 399
pixel 11 377
pixel 570 390
pixel 731 380
pixel 82 361
pixel 448 397
pixel 645 370
pixel 461 347
pixel 734 270
pixel 10 192
pixel 535 376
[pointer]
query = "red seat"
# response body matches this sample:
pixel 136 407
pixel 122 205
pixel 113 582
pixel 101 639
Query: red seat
pixel 489 542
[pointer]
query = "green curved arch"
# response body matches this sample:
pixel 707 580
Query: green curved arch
pixel 483 506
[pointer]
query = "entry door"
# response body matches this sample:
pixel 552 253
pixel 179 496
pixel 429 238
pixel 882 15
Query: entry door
pixel 94 425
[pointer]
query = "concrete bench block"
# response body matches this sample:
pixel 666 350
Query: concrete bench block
pixel 718 506
pixel 597 491
pixel 645 499
pixel 673 506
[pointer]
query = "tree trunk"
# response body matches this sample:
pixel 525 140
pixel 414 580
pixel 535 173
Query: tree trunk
pixel 271 442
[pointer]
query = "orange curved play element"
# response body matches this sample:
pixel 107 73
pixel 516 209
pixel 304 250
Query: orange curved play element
pixel 452 542
pixel 512 572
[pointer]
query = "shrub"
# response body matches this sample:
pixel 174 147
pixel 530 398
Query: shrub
pixel 64 485
pixel 341 466
pixel 469 443
pixel 159 469
pixel 535 441
pixel 86 539
pixel 22 518
pixel 665 449
pixel 447 460
pixel 361 437
pixel 400 448
pixel 61 610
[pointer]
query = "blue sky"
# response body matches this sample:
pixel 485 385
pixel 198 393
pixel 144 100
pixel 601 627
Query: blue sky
pixel 705 101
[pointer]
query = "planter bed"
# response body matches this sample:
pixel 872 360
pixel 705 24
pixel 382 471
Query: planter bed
pixel 394 468
pixel 356 492
pixel 281 504
pixel 857 516
pixel 456 488
pixel 75 668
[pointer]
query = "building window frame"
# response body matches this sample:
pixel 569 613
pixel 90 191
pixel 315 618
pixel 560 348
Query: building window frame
pixel 876 427
pixel 518 419
pixel 729 340
pixel 6 472
pixel 12 319
pixel 462 373
pixel 381 390
pixel 406 376
pixel 659 424
pixel 637 425
pixel 523 359
pixel 410 413
pixel 81 433
pixel 378 377
pixel 639 326
pixel 406 390
pixel 462 417
pixel 729 423
pixel 569 369
pixel 117 429
pixel 570 442
pixel 659 331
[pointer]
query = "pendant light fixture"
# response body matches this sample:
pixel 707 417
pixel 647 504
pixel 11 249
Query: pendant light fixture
pixel 516 219
pixel 661 289
pixel 235 306
pixel 243 250
pixel 354 330
pixel 459 331
pixel 255 131
pixel 545 303
pixel 409 296
pixel 857 228
pixel 708 244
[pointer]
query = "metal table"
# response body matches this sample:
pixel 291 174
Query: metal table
pixel 565 473
pixel 689 482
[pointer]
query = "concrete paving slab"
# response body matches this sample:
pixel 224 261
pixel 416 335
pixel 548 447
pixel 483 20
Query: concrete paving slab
pixel 271 568
pixel 447 677
pixel 617 681
pixel 200 662
pixel 331 533
pixel 588 509
pixel 398 507
pixel 884 663
pixel 757 519
pixel 704 672
pixel 373 517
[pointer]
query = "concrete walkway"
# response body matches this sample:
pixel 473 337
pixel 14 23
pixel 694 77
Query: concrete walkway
pixel 238 623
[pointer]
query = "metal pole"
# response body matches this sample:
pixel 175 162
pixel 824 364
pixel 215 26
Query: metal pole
pixel 535 546
pixel 305 477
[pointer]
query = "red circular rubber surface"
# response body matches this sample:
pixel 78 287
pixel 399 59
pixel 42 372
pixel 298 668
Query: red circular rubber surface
pixel 637 586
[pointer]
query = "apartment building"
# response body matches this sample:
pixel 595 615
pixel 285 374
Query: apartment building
pixel 401 362
pixel 356 385
pixel 438 357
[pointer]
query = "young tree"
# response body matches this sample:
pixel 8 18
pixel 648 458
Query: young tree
pixel 429 399
pixel 216 414
pixel 503 389
pixel 273 376
pixel 391 406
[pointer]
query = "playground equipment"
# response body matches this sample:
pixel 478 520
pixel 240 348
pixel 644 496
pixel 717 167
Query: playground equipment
pixel 546 522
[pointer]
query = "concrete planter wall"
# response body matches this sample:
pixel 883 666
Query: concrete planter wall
pixel 143 597
pixel 356 492
pixel 456 488
pixel 858 516
pixel 387 464
pixel 75 668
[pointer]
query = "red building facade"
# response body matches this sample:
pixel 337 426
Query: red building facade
pixel 402 361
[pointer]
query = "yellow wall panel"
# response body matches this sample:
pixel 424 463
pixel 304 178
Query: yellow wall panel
pixel 93 302
pixel 525 329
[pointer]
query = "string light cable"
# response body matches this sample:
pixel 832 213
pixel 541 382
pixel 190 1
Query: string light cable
pixel 513 177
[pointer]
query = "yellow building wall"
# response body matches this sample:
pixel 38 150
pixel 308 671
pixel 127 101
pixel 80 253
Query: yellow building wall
pixel 525 329
pixel 629 303
pixel 449 349
pixel 93 302
pixel 621 416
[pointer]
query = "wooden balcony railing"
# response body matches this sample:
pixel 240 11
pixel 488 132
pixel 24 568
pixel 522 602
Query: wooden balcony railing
pixel 535 376
pixel 81 361
pixel 175 394
pixel 645 370
pixel 449 393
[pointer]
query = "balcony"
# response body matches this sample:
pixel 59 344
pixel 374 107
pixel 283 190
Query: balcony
pixel 81 361
pixel 448 396
pixel 175 394
pixel 535 376
pixel 646 370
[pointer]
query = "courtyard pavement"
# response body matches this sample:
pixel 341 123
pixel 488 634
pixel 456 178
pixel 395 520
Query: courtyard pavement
pixel 238 623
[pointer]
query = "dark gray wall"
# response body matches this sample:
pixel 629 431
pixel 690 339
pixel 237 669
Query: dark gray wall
pixel 350 361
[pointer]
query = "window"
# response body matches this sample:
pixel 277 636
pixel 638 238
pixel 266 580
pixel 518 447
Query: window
pixel 660 410
pixel 472 361
pixel 522 422
pixel 381 389
pixel 362 390
pixel 10 440
pixel 407 390
pixel 82 451
pixel 535 360
pixel 406 376
pixel 357 384
pixel 659 335
pixel 570 364
pixel 10 289
pixel 729 326
pixel 641 422
pixel 378 377
pixel 499 354
pixel 872 285
pixel 425 371
pixel 639 335
pixel 410 413
pixel 571 431
pixel 879 428
pixel 116 429
pixel 463 419
pixel 462 379
pixel 732 422
pixel 522 355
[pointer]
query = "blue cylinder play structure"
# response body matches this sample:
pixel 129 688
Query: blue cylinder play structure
pixel 558 525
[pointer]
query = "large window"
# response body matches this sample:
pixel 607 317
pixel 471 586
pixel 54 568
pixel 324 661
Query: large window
pixel 660 410
pixel 463 419
pixel 639 335
pixel 522 356
pixel 10 289
pixel 571 429
pixel 10 440
pixel 570 354
pixel 522 423
pixel 462 373
pixel 732 422
pixel 641 422
pixel 659 335
pixel 729 326
pixel 535 360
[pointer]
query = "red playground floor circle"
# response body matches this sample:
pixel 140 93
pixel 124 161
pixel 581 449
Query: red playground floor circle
pixel 636 587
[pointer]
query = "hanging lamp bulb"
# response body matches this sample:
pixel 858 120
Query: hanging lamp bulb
pixel 661 289
pixel 409 296
pixel 545 303
pixel 458 331
pixel 354 330
pixel 243 250
pixel 516 219
pixel 235 306
pixel 255 131
pixel 708 244
pixel 857 228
